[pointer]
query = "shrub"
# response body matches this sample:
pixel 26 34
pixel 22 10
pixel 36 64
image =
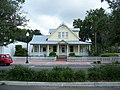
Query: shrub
pixel 18 47
pixel 94 74
pixel 52 54
pixel 110 72
pixel 54 76
pixel 104 73
pixel 41 76
pixel 79 76
pixel 20 73
pixel 109 55
pixel 67 75
pixel 2 74
pixel 21 52
pixel 71 54
pixel 61 75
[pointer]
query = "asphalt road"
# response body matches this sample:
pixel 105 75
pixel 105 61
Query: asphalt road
pixel 4 87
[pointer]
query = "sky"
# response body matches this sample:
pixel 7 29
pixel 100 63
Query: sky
pixel 48 14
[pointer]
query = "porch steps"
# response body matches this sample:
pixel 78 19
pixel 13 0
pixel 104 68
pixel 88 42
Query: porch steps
pixel 62 58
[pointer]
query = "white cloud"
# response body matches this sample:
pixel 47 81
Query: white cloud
pixel 46 14
pixel 49 21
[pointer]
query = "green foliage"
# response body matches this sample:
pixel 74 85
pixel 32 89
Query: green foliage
pixel 18 47
pixel 41 76
pixel 61 75
pixel 94 74
pixel 104 73
pixel 20 51
pixel 72 54
pixel 79 76
pixel 20 73
pixel 109 55
pixel 10 18
pixel 2 75
pixel 20 34
pixel 102 28
pixel 57 74
pixel 53 54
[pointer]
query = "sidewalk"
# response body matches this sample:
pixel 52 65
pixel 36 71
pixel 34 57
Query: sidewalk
pixel 50 63
pixel 62 84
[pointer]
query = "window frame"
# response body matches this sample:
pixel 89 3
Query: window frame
pixel 36 48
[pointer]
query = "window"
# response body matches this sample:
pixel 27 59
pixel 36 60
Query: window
pixel 63 35
pixel 36 48
pixel 54 48
pixel 44 49
pixel 66 34
pixel 71 49
pixel 59 34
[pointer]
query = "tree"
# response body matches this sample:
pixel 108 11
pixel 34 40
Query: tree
pixel 114 35
pixel 20 34
pixel 95 27
pixel 10 18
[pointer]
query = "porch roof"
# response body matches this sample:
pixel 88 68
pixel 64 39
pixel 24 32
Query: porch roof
pixel 42 39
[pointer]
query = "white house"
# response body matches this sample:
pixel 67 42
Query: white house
pixel 10 48
pixel 62 40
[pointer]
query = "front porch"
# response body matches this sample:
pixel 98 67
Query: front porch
pixel 59 49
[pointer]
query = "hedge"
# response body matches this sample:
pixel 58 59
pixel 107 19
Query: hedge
pixel 57 74
pixel 21 73
pixel 53 54
pixel 109 55
pixel 104 73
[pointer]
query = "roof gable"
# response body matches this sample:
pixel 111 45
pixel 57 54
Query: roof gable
pixel 63 28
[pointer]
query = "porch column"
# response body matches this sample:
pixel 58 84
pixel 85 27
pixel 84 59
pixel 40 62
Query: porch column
pixel 67 50
pixel 39 50
pixel 33 49
pixel 78 50
pixel 47 50
pixel 58 49
pixel 89 47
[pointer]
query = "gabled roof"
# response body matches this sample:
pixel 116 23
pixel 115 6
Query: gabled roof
pixel 72 29
pixel 42 39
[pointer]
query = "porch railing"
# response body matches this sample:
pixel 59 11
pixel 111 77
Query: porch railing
pixel 91 59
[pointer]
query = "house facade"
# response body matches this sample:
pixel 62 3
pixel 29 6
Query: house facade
pixel 10 48
pixel 61 40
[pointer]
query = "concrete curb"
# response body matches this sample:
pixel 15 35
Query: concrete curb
pixel 62 84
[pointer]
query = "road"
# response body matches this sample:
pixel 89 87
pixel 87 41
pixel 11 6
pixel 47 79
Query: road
pixel 4 87
pixel 49 67
pixel 37 65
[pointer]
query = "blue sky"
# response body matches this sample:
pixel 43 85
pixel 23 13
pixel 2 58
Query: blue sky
pixel 46 14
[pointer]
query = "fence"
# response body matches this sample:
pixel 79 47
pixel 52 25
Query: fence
pixel 70 59
pixel 91 59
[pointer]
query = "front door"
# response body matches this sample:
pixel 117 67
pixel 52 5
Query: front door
pixel 63 50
